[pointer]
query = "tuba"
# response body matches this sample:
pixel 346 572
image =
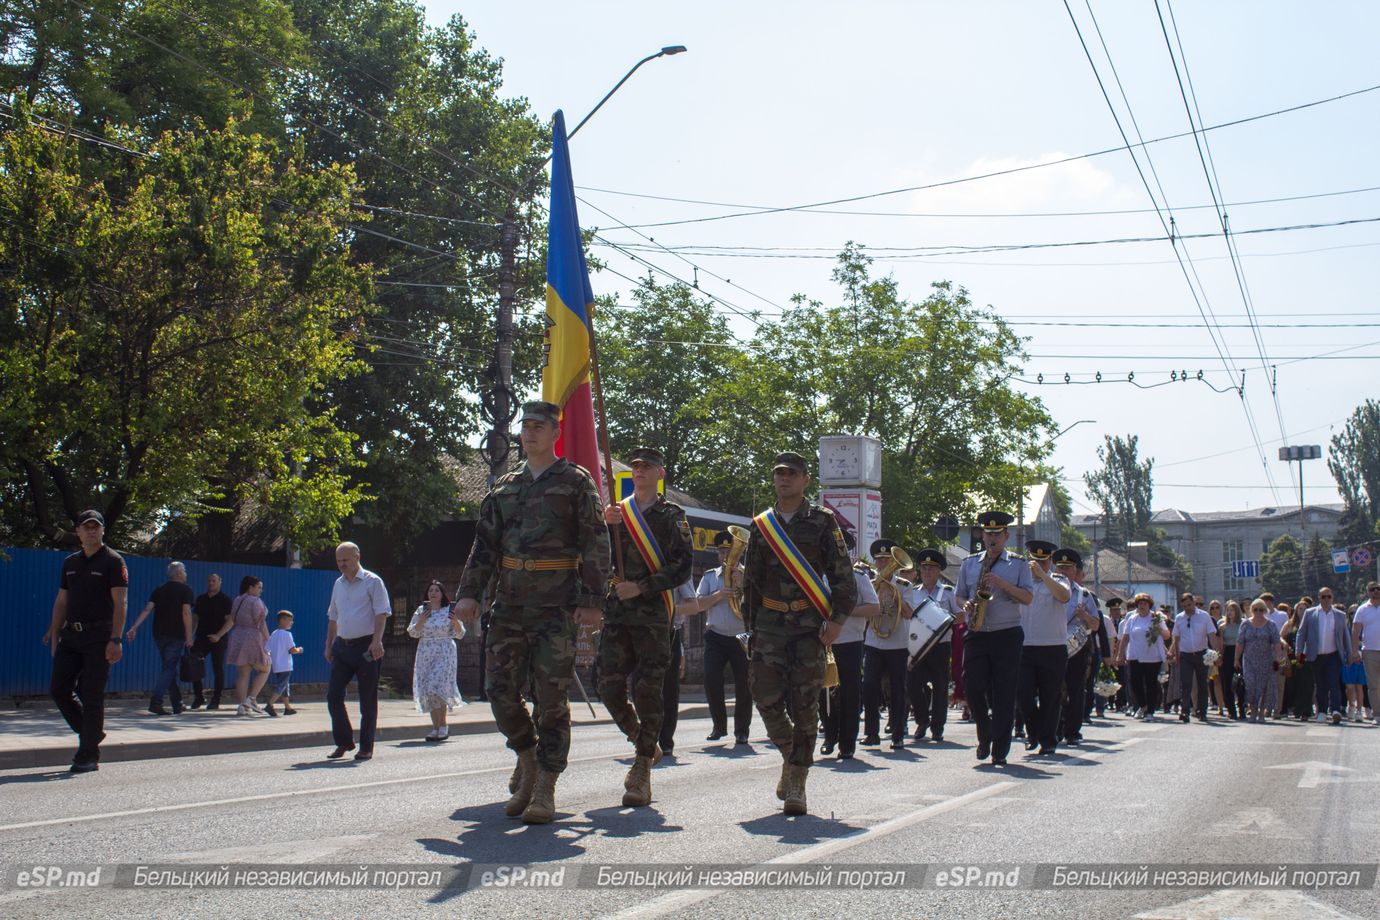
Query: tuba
pixel 732 574
pixel 894 607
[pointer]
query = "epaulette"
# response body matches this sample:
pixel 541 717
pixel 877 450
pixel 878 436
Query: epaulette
pixel 861 566
pixel 587 474
pixel 507 478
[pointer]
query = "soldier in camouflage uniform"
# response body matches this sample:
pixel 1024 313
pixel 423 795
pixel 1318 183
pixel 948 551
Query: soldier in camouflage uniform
pixel 541 536
pixel 789 634
pixel 637 631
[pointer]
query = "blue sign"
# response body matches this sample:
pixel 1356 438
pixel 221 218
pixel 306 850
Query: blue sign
pixel 1341 561
pixel 1245 568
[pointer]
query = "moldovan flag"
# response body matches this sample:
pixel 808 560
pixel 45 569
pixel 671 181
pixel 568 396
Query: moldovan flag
pixel 569 303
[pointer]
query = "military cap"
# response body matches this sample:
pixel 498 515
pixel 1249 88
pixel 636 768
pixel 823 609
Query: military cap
pixel 1066 556
pixel 90 515
pixel 541 411
pixel 791 461
pixel 647 455
pixel 880 547
pixel 931 557
pixel 994 521
pixel 723 538
pixel 1038 549
pixel 1114 602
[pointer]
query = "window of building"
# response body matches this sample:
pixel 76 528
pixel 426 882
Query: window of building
pixel 1233 551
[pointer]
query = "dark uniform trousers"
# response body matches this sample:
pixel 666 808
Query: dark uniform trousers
pixel 1076 687
pixel 840 717
pixel 719 651
pixel 643 648
pixel 929 690
pixel 78 684
pixel 787 675
pixel 991 665
pixel 536 643
pixel 348 663
pixel 889 663
pixel 1041 686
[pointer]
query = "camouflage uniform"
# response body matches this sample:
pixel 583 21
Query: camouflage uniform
pixel 787 655
pixel 637 634
pixel 523 523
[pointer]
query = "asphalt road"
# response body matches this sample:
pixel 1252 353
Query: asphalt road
pixel 1199 796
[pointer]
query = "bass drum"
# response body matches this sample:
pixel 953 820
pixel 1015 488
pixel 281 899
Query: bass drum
pixel 929 626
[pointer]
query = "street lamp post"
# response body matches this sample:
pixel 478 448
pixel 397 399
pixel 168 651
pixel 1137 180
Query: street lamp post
pixel 502 407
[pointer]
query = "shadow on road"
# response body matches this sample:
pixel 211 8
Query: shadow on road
pixel 804 830
pixel 624 823
pixel 45 777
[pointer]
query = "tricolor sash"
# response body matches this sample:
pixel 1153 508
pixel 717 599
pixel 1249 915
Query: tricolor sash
pixel 646 546
pixel 816 588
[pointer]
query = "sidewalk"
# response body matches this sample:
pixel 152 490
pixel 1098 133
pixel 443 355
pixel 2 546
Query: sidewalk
pixel 38 737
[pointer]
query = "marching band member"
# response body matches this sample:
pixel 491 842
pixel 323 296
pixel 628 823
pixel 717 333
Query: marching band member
pixel 722 648
pixel 840 705
pixel 1043 652
pixel 992 586
pixel 929 678
pixel 1081 606
pixel 885 656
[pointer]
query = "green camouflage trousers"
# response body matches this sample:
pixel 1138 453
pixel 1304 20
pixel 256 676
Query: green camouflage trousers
pixel 644 648
pixel 787 672
pixel 538 642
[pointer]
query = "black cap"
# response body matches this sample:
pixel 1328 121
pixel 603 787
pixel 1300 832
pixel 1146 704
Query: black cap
pixel 1038 549
pixel 647 455
pixel 791 461
pixel 1114 602
pixel 1066 556
pixel 90 515
pixel 994 521
pixel 723 538
pixel 880 547
pixel 931 557
pixel 541 411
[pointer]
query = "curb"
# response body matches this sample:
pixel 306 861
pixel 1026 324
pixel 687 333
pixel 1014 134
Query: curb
pixel 113 751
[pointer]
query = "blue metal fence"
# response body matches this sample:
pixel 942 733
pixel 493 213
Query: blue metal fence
pixel 29 582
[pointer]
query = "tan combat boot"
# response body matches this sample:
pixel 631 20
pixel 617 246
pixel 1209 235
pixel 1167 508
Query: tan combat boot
pixel 795 792
pixel 638 783
pixel 524 776
pixel 543 806
pixel 783 783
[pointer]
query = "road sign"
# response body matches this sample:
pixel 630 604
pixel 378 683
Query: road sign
pixel 1341 561
pixel 946 528
pixel 1245 568
pixel 1361 557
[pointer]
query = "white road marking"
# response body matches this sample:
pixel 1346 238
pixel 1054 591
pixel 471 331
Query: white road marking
pixel 673 902
pixel 1257 904
pixel 1313 773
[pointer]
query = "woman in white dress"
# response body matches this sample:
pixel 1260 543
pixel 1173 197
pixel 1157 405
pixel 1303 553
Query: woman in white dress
pixel 433 674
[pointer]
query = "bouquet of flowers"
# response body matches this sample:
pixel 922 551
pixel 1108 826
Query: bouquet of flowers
pixel 1210 657
pixel 1106 685
pixel 1153 632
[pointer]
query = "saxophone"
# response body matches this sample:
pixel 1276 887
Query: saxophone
pixel 984 593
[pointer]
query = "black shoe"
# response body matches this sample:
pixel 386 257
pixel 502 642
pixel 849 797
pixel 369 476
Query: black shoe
pixel 1046 750
pixel 716 734
pixel 196 704
pixel 871 741
pixel 339 752
pixel 826 748
pixel 288 710
pixel 998 761
pixel 365 755
pixel 984 750
pixel 936 737
pixel 1031 744
pixel 740 739
pixel 845 755
pixel 919 735
pixel 898 744
pixel 1184 718
pixel 268 708
pixel 1202 717
pixel 178 710
pixel 215 705
pixel 1074 740
pixel 158 710
pixel 84 766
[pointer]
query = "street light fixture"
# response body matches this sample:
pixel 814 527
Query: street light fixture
pixel 501 407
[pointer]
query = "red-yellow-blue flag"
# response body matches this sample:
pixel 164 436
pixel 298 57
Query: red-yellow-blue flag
pixel 569 302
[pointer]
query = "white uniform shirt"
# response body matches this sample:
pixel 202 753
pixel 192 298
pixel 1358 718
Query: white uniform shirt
pixel 1044 620
pixel 900 636
pixel 855 627
pixel 719 619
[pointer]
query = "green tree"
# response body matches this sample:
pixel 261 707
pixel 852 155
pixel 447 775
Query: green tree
pixel 1315 568
pixel 1281 569
pixel 1353 457
pixel 170 324
pixel 1124 489
pixel 928 379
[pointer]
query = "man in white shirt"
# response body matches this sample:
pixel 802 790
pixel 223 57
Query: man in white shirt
pixel 1365 643
pixel 839 706
pixel 1194 633
pixel 354 646
pixel 722 648
pixel 1044 654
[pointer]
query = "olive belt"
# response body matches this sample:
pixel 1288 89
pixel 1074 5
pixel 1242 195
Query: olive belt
pixel 785 606
pixel 541 565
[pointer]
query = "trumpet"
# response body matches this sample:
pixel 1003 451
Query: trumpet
pixel 894 607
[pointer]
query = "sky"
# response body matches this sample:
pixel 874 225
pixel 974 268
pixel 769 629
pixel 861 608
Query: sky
pixel 778 105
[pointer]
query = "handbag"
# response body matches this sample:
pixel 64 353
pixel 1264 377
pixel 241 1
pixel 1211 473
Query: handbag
pixel 192 668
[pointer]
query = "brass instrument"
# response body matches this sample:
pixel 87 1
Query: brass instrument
pixel 984 593
pixel 894 607
pixel 831 669
pixel 732 574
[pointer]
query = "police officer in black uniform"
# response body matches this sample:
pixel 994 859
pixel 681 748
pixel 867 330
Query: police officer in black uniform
pixel 88 618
